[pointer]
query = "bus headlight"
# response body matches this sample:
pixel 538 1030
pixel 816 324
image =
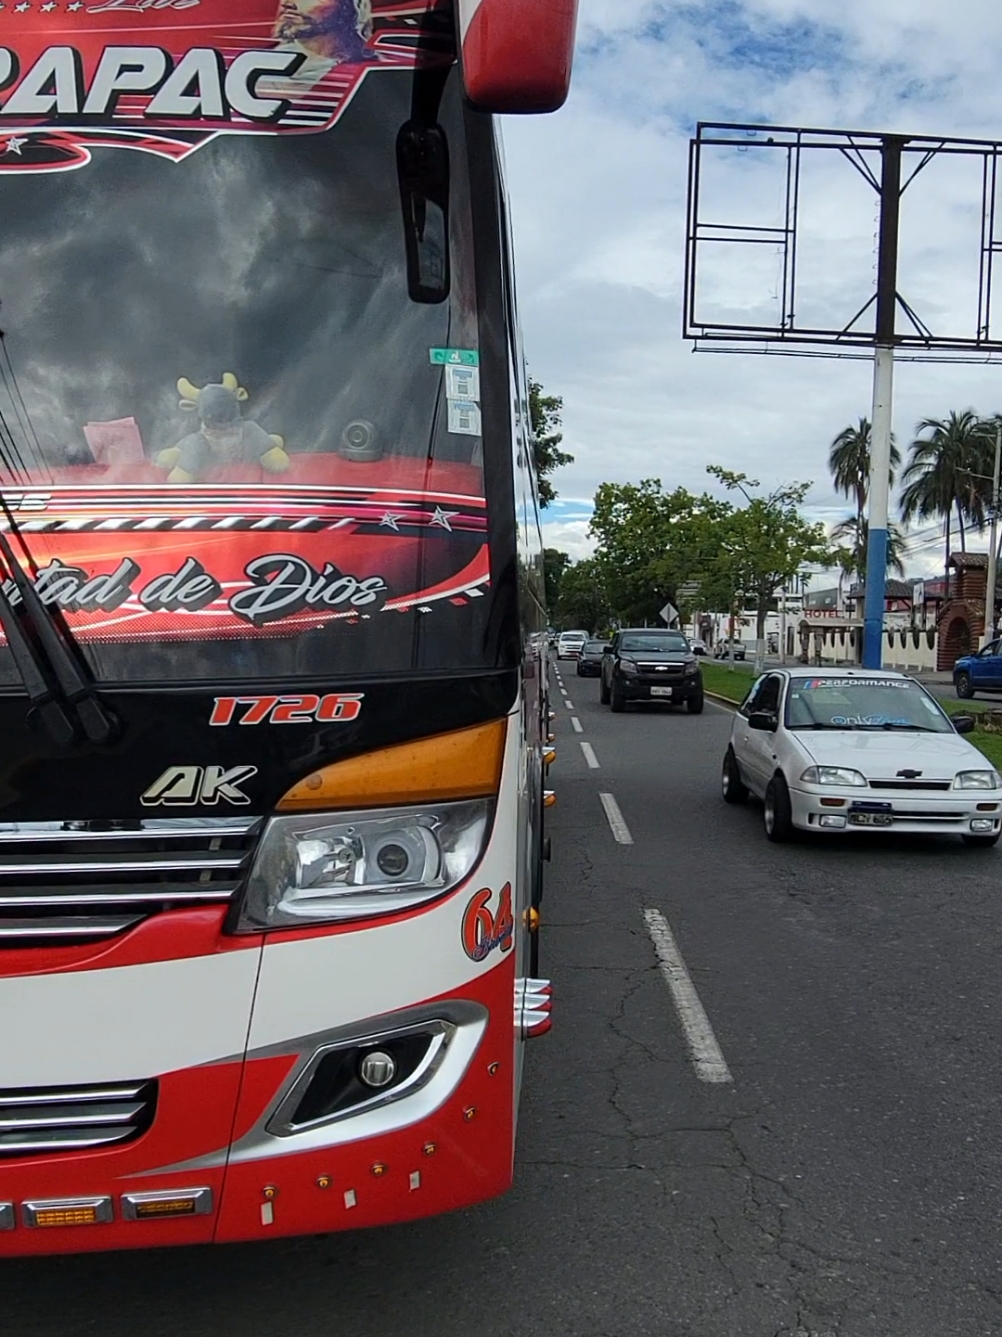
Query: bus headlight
pixel 319 868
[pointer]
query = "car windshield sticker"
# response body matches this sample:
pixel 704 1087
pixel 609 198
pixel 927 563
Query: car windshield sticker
pixel 163 76
pixel 823 684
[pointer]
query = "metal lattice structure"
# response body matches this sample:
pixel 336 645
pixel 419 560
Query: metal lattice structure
pixel 888 164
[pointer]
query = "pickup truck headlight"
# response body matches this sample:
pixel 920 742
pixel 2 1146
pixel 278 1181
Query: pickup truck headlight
pixel 693 667
pixel 977 780
pixel 324 868
pixel 627 666
pixel 833 775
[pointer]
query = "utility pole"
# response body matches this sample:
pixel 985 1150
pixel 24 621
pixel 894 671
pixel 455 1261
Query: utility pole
pixel 782 625
pixel 883 386
pixel 993 543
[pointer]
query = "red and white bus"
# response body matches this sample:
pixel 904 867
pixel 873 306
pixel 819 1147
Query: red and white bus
pixel 272 676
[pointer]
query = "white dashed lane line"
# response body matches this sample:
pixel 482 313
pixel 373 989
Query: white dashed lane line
pixel 620 831
pixel 576 724
pixel 568 703
pixel 589 756
pixel 706 1054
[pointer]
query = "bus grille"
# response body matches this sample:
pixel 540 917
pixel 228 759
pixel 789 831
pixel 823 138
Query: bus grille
pixel 45 1119
pixel 68 882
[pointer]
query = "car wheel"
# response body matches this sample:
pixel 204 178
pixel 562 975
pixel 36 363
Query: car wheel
pixel 603 693
pixel 695 703
pixel 732 786
pixel 776 811
pixel 962 682
pixel 617 698
pixel 982 842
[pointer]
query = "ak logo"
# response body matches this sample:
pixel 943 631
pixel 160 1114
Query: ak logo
pixel 186 786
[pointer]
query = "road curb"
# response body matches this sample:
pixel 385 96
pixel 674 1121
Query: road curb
pixel 721 700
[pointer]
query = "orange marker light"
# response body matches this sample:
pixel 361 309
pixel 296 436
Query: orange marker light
pixel 462 764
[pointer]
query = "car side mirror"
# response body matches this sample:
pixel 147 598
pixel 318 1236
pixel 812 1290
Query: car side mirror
pixel 763 720
pixel 964 723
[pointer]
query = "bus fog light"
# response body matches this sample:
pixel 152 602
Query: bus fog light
pixel 327 867
pixel 982 823
pixel 831 819
pixel 377 1069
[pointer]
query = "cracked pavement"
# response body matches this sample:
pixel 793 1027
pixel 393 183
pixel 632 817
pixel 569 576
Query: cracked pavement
pixel 846 1184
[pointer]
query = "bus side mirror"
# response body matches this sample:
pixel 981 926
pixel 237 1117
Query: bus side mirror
pixel 423 172
pixel 516 54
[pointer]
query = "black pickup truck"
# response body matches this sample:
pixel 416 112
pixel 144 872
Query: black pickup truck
pixel 648 664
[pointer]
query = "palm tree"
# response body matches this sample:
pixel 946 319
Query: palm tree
pixel 944 474
pixel 853 557
pixel 849 462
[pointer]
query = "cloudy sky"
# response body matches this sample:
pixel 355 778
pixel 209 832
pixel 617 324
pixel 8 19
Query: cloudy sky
pixel 598 199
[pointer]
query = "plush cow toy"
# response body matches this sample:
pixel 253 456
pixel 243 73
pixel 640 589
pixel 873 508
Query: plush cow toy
pixel 223 436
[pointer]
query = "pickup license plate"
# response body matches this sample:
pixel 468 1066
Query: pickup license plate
pixel 662 691
pixel 871 818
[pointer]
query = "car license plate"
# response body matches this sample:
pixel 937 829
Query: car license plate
pixel 870 814
pixel 662 691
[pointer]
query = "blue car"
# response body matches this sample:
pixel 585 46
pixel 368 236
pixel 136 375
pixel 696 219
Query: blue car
pixel 980 672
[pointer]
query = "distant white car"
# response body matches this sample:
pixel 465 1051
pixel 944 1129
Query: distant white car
pixel 836 750
pixel 570 644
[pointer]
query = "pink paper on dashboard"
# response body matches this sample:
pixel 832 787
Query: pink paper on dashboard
pixel 117 442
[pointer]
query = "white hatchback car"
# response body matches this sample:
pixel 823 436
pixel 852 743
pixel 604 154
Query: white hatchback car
pixel 832 750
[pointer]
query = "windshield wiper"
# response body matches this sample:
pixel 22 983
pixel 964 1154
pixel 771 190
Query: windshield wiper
pixel 912 728
pixel 51 676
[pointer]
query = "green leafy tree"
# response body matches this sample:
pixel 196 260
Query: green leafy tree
pixel 555 563
pixel 650 542
pixel 945 474
pixel 849 462
pixel 583 601
pixel 767 541
pixel 545 416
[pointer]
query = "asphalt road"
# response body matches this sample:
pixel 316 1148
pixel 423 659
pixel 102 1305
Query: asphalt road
pixel 845 1183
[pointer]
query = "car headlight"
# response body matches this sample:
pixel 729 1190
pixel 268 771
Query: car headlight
pixel 692 668
pixel 323 868
pixel 977 780
pixel 833 775
pixel 627 666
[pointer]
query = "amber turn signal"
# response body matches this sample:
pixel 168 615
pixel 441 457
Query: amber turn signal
pixel 549 798
pixel 463 764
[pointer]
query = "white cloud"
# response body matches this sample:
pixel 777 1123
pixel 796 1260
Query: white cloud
pixel 598 201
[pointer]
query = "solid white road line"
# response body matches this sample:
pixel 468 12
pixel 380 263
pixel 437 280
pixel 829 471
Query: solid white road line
pixel 707 1057
pixel 576 724
pixel 620 830
pixel 589 756
pixel 568 703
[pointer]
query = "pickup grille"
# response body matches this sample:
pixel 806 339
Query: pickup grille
pixel 65 882
pixel 42 1120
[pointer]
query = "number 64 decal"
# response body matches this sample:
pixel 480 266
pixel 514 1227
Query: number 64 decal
pixel 485 929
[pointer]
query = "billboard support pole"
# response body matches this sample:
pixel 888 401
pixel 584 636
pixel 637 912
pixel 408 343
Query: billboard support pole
pixel 883 385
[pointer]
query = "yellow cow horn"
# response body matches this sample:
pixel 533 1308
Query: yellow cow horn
pixel 187 390
pixel 229 380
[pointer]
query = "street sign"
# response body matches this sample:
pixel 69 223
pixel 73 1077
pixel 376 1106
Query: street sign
pixel 669 614
pixel 689 590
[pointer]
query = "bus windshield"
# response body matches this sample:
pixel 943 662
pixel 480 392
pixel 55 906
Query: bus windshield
pixel 232 443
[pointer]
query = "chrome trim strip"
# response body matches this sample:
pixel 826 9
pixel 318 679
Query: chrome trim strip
pixel 173 828
pixel 127 1091
pixel 67 926
pixel 201 1197
pixel 10 898
pixel 198 861
pixel 30 1210
pixel 64 1141
pixel 85 1116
